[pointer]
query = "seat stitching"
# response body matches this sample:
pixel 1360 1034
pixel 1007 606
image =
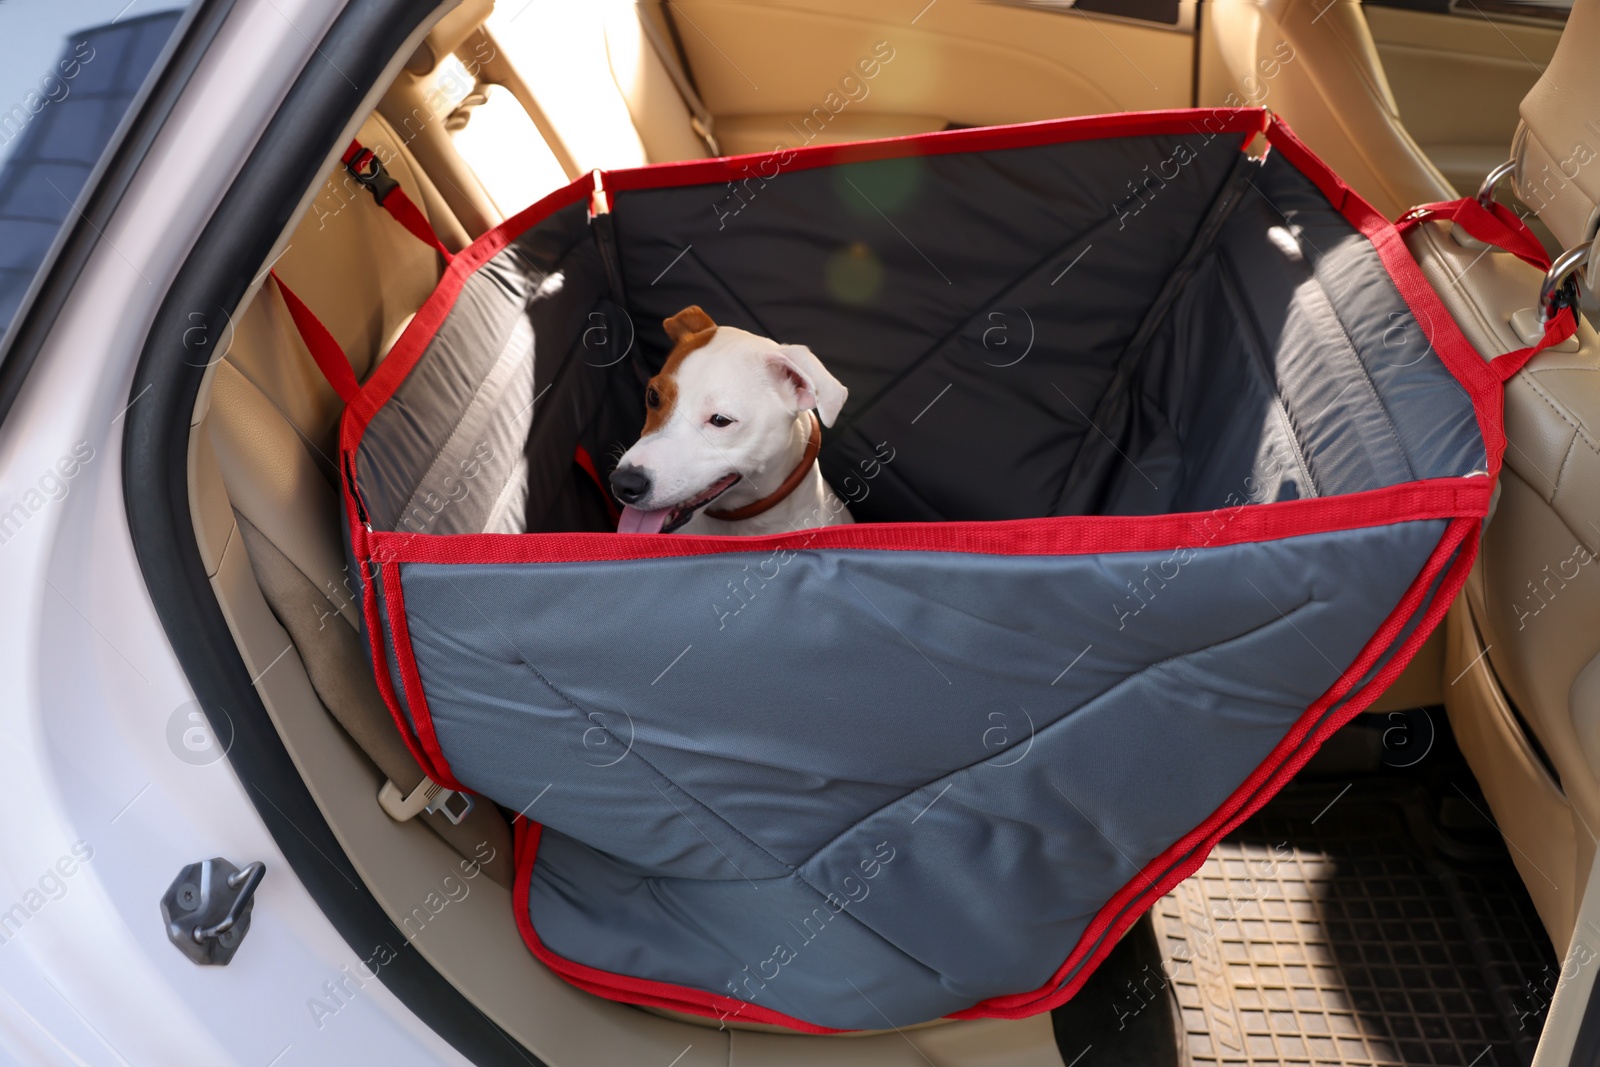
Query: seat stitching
pixel 1560 411
pixel 1572 448
pixel 1242 310
pixel 1355 353
pixel 1033 269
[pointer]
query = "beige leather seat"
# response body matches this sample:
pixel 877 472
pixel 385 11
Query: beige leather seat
pixel 595 72
pixel 1314 63
pixel 1523 664
pixel 263 462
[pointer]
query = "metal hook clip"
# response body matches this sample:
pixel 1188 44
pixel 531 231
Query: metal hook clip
pixel 1492 180
pixel 1559 288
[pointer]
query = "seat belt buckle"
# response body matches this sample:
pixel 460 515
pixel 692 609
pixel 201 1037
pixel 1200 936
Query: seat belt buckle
pixel 428 796
pixel 366 168
pixel 703 128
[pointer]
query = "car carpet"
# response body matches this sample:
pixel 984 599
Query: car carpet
pixel 1368 916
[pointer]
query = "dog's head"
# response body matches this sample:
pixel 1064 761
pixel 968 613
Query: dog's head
pixel 720 415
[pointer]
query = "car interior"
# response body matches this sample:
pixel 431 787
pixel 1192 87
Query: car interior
pixel 1454 830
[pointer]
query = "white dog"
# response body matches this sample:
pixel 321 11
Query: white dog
pixel 731 418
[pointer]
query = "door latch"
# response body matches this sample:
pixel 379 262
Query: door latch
pixel 207 909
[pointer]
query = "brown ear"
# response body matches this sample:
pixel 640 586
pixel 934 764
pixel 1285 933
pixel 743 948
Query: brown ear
pixel 688 321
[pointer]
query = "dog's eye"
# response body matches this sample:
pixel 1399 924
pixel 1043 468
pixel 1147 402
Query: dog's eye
pixel 652 399
pixel 720 420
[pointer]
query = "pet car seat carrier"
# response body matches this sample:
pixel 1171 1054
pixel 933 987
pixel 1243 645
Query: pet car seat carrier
pixel 1165 460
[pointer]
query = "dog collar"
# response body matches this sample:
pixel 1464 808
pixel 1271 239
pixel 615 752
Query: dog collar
pixel 790 484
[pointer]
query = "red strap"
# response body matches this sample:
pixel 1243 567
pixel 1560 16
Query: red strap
pixel 582 458
pixel 1562 325
pixel 1498 225
pixel 324 349
pixel 368 169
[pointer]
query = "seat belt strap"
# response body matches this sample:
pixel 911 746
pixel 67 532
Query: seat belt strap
pixel 585 463
pixel 699 115
pixel 330 358
pixel 365 167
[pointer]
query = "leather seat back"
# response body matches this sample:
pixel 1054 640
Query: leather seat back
pixel 1524 641
pixel 1314 62
pixel 1557 147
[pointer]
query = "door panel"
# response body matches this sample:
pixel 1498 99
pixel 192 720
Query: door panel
pixel 834 70
pixel 1458 76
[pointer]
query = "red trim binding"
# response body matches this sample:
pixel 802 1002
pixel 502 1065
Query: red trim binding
pixel 411 678
pixel 380 662
pixel 1281 765
pixel 414 339
pixel 1440 498
pixel 1482 379
pixel 1119 913
pixel 409 348
pixel 1463 501
pixel 581 457
pixel 1207 121
pixel 1502 228
pixel 621 987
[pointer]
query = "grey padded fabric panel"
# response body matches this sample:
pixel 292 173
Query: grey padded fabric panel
pixel 926 772
pixel 454 455
pixel 809 692
pixel 904 276
pixel 1159 373
pixel 1233 329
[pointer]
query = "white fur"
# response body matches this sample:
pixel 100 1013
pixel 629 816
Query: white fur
pixel 766 388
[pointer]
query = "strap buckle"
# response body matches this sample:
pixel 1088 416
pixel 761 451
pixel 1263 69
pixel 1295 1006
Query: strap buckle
pixel 365 167
pixel 428 796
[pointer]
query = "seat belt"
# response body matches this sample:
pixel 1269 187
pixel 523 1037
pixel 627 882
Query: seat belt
pixel 330 358
pixel 366 168
pixel 699 115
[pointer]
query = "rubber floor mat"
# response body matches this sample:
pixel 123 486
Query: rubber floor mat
pixel 1360 923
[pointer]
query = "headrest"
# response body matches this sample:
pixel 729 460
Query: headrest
pixel 1557 146
pixel 447 35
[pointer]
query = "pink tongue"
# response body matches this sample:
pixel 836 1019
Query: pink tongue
pixel 635 521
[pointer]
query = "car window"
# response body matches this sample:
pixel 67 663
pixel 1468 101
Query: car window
pixel 1545 11
pixel 68 72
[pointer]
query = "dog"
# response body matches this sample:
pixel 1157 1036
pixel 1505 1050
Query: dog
pixel 732 419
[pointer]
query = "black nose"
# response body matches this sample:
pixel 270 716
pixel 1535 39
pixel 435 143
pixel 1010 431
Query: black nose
pixel 630 484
